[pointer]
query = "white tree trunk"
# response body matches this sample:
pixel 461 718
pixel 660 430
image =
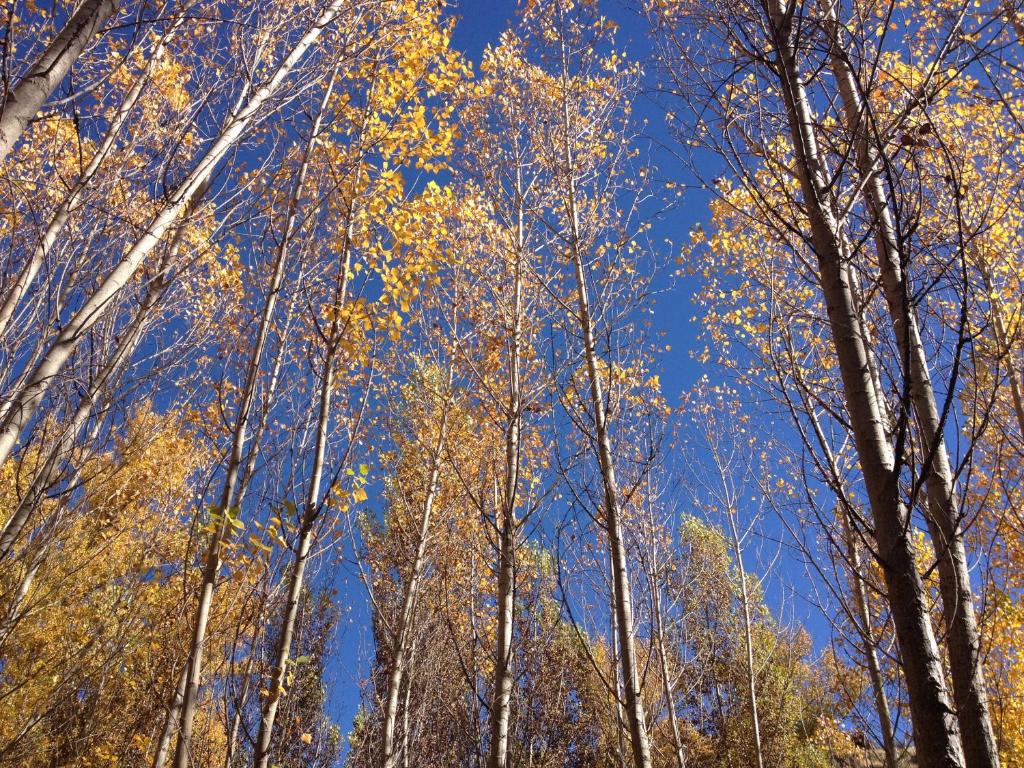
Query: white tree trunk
pixel 623 602
pixel 23 403
pixel 26 98
pixel 944 516
pixel 47 472
pixel 936 734
pixel 748 638
pixel 506 516
pixel 73 201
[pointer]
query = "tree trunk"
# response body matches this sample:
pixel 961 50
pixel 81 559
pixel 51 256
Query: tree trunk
pixel 236 717
pixel 506 517
pixel 389 755
pixel 311 508
pixel 406 704
pixel 261 755
pixel 944 516
pixel 47 473
pixel 863 617
pixel 620 715
pixel 229 492
pixel 623 603
pixel 670 704
pixel 13 613
pixel 935 730
pixel 73 201
pixel 23 403
pixel 171 720
pixel 502 675
pixel 25 100
pixel 748 640
pixel 616 545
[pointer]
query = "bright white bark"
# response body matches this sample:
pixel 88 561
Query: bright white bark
pixel 228 498
pixel 24 402
pixel 26 98
pixel 75 196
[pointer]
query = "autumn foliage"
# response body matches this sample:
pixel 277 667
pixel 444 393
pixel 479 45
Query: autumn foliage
pixel 347 416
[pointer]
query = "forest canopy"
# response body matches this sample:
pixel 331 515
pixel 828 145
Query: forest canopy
pixel 589 383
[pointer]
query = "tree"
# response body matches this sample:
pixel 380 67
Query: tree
pixel 834 242
pixel 23 101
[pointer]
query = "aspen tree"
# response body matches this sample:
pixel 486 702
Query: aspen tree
pixel 313 500
pixel 944 515
pixel 73 200
pixel 226 510
pixel 23 402
pixel 563 28
pixel 418 49
pixel 24 101
pixel 402 634
pixel 429 410
pixel 503 163
pixel 937 736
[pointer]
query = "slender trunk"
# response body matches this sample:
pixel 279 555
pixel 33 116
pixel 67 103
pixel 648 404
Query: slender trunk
pixel 860 599
pixel 616 545
pixel 25 100
pixel 502 684
pixel 862 617
pixel 228 495
pixel 171 720
pixel 389 755
pixel 72 202
pixel 311 509
pixel 670 703
pixel 24 402
pixel 507 525
pixel 273 380
pixel 748 640
pixel 13 613
pixel 406 733
pixel 935 729
pixel 228 498
pixel 944 518
pixel 620 717
pixel 261 756
pixel 236 717
pixel 47 473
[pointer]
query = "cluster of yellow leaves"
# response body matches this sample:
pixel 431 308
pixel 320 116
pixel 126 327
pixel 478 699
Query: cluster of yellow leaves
pixel 100 628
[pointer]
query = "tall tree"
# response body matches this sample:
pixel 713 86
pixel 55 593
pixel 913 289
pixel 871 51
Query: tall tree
pixel 23 101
